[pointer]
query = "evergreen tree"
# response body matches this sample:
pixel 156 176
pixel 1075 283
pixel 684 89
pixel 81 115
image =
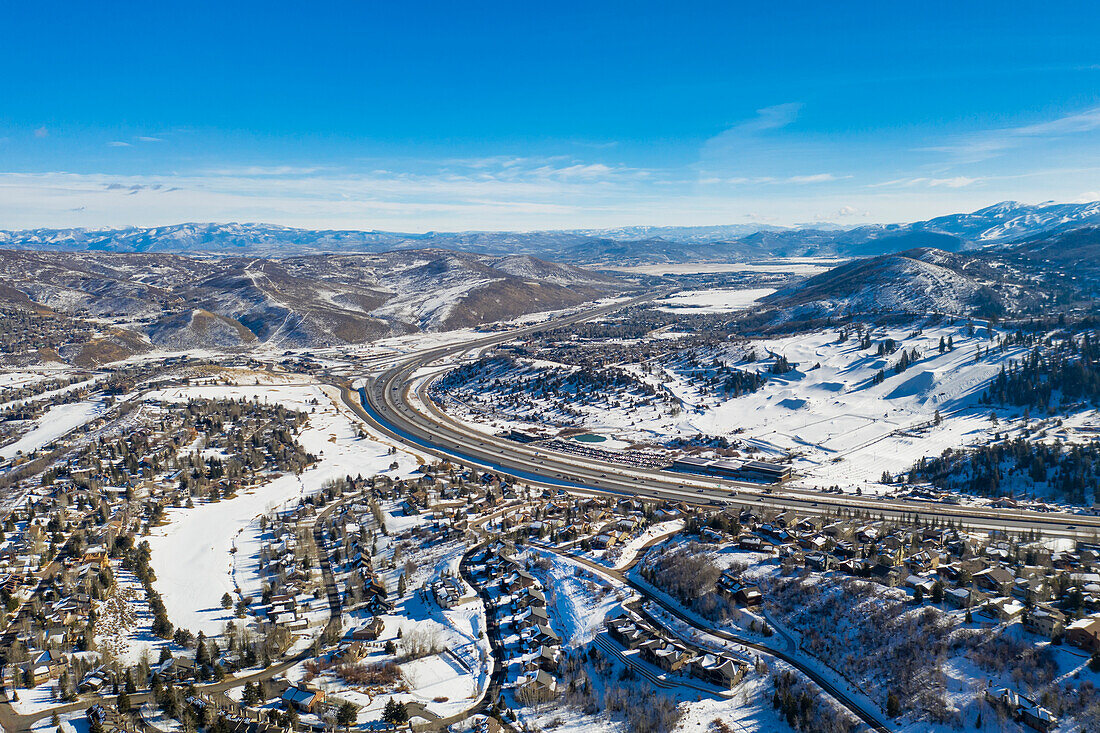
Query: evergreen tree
pixel 346 715
pixel 893 706
pixel 395 713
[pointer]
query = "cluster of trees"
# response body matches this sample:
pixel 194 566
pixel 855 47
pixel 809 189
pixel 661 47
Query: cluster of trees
pixel 27 391
pixel 25 330
pixel 907 359
pixel 1069 369
pixel 714 376
pixel 1030 667
pixel 781 365
pixel 687 573
pixel 136 559
pixel 804 709
pixel 1068 471
pixel 582 674
pixel 505 380
pixel 870 636
pixel 255 436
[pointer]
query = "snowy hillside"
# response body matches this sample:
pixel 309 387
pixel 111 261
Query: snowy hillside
pixel 180 302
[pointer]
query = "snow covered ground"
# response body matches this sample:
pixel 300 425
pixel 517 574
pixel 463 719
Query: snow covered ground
pixel 56 422
pixel 794 265
pixel 715 300
pixel 828 414
pixel 193 554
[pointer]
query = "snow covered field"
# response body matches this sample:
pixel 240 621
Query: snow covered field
pixel 828 413
pixel 56 422
pixel 794 265
pixel 716 300
pixel 193 554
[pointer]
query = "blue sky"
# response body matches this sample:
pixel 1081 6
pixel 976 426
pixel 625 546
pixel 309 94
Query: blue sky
pixel 454 116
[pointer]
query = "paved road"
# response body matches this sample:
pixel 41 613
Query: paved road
pixel 867 714
pixel 396 402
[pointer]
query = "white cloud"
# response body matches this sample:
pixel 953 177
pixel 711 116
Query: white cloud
pixel 952 182
pixel 771 118
pixel 815 178
pixel 41 132
pixel 848 211
pixel 148 139
pixel 118 144
pixel 955 182
pixel 986 144
pixel 248 171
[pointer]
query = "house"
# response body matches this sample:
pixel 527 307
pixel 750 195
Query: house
pixel 300 698
pixel 964 597
pixel 96 714
pixel 995 579
pixel 731 587
pixel 528 598
pixel 887 575
pixel 545 635
pixel 176 669
pixel 40 675
pixel 1022 709
pixel 1003 609
pixel 1085 633
pixel 548 658
pixel 718 670
pixel 628 633
pixel 752 543
pixel 1045 621
pixel 369 631
pixel 666 655
pixel 544 682
pixel 96 555
pixel 916 581
pixel 519 580
pixel 1038 717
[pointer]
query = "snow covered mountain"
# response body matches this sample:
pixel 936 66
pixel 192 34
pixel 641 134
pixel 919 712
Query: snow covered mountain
pixel 919 282
pixel 1011 221
pixel 183 302
pixel 994 225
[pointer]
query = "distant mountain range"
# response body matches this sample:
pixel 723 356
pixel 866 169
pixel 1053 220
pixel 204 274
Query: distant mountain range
pixel 1002 223
pixel 138 301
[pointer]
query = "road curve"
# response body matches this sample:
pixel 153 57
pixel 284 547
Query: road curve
pixel 396 402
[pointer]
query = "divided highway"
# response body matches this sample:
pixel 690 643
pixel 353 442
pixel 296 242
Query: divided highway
pixel 397 403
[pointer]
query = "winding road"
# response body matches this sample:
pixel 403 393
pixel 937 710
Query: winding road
pixel 397 403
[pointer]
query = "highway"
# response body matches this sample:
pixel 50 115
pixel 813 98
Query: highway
pixel 396 402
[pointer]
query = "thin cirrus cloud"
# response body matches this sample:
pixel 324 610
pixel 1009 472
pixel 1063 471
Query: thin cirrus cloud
pixel 986 144
pixel 765 180
pixel 816 178
pixel 138 138
pixel 949 182
pixel 769 118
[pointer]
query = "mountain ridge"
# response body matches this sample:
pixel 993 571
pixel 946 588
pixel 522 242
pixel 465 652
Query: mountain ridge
pixel 996 225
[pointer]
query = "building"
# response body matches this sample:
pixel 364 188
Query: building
pixel 1085 633
pixel 1048 622
pixel 718 669
pixel 742 470
pixel 300 698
